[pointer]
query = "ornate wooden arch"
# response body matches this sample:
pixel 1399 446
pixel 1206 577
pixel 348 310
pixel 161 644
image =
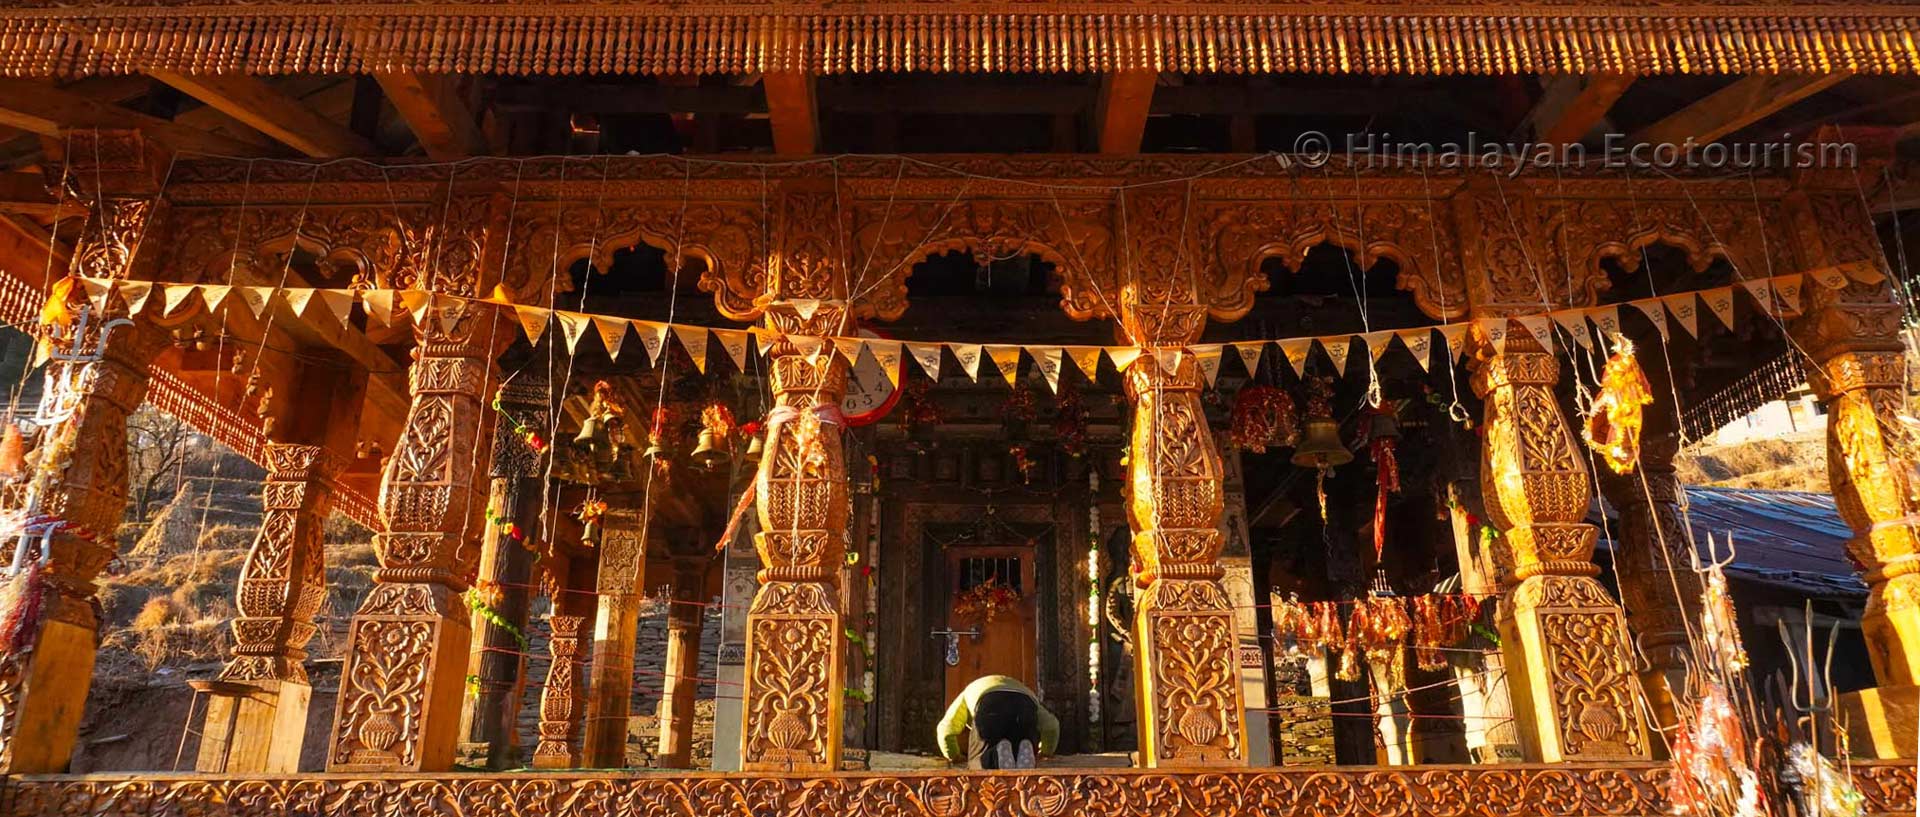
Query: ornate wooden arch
pixel 1243 235
pixel 891 237
pixel 725 237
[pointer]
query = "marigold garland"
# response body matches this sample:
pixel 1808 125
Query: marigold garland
pixel 1614 422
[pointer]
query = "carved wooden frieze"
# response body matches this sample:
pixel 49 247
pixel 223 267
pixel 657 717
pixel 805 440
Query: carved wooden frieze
pixel 1627 790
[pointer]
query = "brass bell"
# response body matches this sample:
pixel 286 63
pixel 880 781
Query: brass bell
pixel 1320 446
pixel 593 434
pixel 709 454
pixel 754 449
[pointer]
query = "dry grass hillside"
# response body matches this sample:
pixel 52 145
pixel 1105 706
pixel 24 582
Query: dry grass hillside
pixel 1795 462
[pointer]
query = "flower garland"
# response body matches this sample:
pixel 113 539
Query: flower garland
pixel 484 598
pixel 532 439
pixel 1093 594
pixel 1377 628
pixel 985 601
pixel 507 527
pixel 1070 421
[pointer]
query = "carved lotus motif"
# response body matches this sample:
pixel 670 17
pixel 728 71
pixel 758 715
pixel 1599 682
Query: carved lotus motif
pixel 1198 726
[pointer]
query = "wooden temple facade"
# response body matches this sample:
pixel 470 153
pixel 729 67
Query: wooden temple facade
pixel 408 422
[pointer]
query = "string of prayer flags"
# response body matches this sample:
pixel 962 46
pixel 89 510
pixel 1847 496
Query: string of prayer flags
pixel 1778 297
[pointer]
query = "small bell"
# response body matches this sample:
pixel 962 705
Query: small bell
pixel 1320 446
pixel 709 455
pixel 754 450
pixel 593 434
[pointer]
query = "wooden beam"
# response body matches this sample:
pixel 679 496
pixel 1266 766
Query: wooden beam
pixel 432 107
pixel 39 108
pixel 1121 112
pixel 1748 100
pixel 794 112
pixel 271 112
pixel 1573 106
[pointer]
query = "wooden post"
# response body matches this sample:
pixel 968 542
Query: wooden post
pixel 795 653
pixel 1485 693
pixel 1187 670
pixel 399 704
pixel 97 377
pixel 682 687
pixel 257 713
pixel 507 563
pixel 564 694
pixel 623 562
pixel 1654 564
pixel 1568 654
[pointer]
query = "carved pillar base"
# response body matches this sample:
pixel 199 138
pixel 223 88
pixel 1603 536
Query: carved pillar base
pixel 400 693
pixel 254 727
pixel 560 699
pixel 1882 722
pixel 42 694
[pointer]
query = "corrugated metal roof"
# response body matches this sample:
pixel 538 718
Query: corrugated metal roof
pixel 1793 539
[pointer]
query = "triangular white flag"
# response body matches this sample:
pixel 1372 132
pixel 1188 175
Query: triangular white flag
pixel 297 299
pixel 613 333
pixel 1123 356
pixel 1209 357
pixel 1007 360
pixel 1720 303
pixel 573 327
pixel 1656 314
pixel 1786 291
pixel 1049 359
pixel 1250 356
pixel 97 290
pixel 379 304
pixel 735 342
pixel 214 296
pixel 1419 343
pixel 1451 334
pixel 1295 351
pixel 533 322
pixel 1496 331
pixel 805 307
pixel 1086 359
pixel 1541 328
pixel 1336 349
pixel 256 298
pixel 1606 320
pixel 928 356
pixel 653 337
pixel 1762 292
pixel 969 355
pixel 1829 277
pixel 339 302
pixel 694 340
pixel 136 293
pixel 1376 343
pixel 765 336
pixel 172 296
pixel 1574 323
pixel 417 303
pixel 850 349
pixel 887 354
pixel 1682 309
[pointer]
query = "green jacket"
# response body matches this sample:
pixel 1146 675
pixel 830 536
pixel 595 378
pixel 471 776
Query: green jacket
pixel 959 717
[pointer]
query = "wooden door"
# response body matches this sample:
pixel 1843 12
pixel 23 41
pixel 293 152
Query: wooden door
pixel 1005 644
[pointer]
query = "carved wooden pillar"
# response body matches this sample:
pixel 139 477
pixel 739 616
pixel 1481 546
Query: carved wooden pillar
pixel 507 563
pixel 1658 587
pixel 682 688
pixel 80 483
pixel 400 692
pixel 257 708
pixel 1188 671
pixel 623 562
pixel 1567 650
pixel 563 697
pixel 795 652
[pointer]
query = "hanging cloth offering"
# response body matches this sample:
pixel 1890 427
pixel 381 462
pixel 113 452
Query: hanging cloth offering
pixel 1383 432
pixel 1613 424
pixel 1262 416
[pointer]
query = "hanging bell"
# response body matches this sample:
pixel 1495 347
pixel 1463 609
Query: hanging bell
pixel 1320 445
pixel 709 454
pixel 593 434
pixel 1381 425
pixel 754 449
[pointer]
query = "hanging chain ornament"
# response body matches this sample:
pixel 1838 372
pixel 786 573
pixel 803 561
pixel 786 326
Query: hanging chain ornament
pixel 1614 422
